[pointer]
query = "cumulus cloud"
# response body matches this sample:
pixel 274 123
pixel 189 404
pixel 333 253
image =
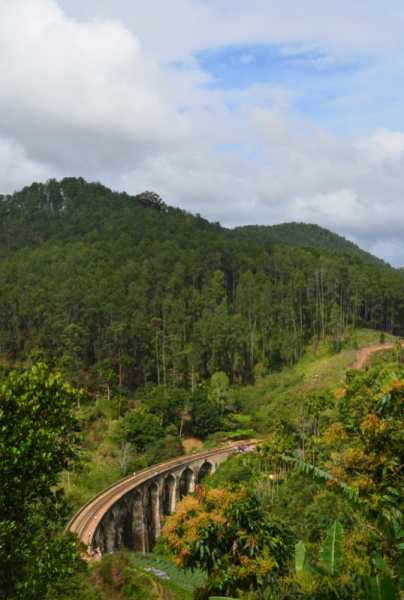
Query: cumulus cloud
pixel 115 91
pixel 17 170
pixel 80 94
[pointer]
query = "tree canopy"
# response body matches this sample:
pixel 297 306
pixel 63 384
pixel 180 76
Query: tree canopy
pixel 90 277
pixel 37 442
pixel 226 533
pixel 306 234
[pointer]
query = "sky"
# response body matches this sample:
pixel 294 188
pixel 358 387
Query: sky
pixel 245 111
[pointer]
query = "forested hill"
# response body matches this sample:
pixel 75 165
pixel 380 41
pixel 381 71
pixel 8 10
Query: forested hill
pixel 306 234
pixel 102 282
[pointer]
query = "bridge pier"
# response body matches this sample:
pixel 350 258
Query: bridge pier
pixel 153 512
pixel 139 524
pixel 110 534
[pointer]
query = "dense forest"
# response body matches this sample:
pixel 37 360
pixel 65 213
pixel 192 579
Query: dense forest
pixel 124 288
pixel 306 234
pixel 160 316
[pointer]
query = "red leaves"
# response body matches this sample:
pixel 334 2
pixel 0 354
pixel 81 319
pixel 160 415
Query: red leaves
pixel 252 543
pixel 200 491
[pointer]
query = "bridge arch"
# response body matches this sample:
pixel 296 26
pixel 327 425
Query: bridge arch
pixel 110 540
pixel 207 468
pixel 124 525
pixel 169 495
pixel 99 539
pixel 138 523
pixel 186 482
pixel 131 511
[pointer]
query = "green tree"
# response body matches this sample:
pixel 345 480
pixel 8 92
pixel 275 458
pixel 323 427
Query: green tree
pixel 335 324
pixel 167 404
pixel 227 534
pixel 220 393
pixel 218 287
pixel 144 429
pixel 107 376
pixel 164 449
pixel 71 363
pixel 37 442
pixel 205 415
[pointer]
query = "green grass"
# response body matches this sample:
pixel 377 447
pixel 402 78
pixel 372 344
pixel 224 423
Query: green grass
pixel 98 474
pixel 384 357
pixel 277 398
pixel 180 593
pixel 185 580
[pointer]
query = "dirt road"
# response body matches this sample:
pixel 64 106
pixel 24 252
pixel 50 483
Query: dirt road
pixel 364 354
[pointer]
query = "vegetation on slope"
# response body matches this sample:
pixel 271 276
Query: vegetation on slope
pixel 123 434
pixel 174 329
pixel 306 234
pixel 358 440
pixel 118 577
pixel 116 290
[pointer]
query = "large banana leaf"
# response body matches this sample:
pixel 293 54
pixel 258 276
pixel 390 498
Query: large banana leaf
pixel 375 588
pixel 381 589
pixel 301 562
pixel 385 586
pixel 331 553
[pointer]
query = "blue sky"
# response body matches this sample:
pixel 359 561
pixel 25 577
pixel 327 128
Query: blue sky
pixel 339 95
pixel 318 82
pixel 258 111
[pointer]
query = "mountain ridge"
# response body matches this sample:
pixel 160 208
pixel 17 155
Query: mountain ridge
pixel 35 215
pixel 296 234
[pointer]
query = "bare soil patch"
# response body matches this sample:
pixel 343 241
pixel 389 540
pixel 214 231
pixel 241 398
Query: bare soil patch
pixel 192 444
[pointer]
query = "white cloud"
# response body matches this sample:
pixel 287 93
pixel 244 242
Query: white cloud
pixel 16 170
pixel 103 99
pixel 180 28
pixel 80 94
pixel 382 145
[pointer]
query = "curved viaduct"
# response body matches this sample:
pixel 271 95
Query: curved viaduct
pixel 131 512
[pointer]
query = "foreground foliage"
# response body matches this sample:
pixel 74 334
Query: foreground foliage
pixel 37 441
pixel 227 534
pixel 116 576
pixel 360 456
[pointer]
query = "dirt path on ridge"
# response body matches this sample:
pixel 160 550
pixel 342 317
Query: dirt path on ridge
pixel 364 354
pixel 158 589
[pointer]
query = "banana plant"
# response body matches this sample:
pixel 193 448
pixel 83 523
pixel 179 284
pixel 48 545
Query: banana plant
pixel 387 525
pixel 331 554
pixel 380 589
pixel 301 561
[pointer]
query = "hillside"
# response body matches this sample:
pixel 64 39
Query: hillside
pixel 289 407
pixel 180 336
pixel 123 289
pixel 306 234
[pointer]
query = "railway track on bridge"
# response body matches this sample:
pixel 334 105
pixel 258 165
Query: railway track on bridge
pixel 89 517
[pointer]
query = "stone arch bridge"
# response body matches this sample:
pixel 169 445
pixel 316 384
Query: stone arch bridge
pixel 131 512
